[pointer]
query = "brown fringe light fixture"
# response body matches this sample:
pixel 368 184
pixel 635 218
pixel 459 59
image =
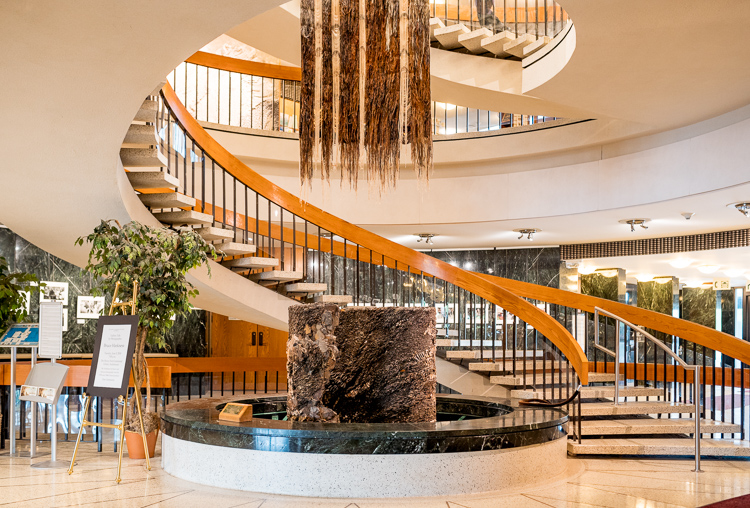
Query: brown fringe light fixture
pixel 365 97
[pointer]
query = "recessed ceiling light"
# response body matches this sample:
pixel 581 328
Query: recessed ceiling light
pixel 681 263
pixel 708 268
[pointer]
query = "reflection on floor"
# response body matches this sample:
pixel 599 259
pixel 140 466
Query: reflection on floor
pixel 587 483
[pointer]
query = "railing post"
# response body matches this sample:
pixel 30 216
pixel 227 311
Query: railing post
pixel 696 400
pixel 617 362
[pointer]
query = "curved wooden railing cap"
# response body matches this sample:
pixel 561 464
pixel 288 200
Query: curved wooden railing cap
pixel 701 335
pixel 469 281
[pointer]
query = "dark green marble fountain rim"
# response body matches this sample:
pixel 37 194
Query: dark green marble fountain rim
pixel 519 427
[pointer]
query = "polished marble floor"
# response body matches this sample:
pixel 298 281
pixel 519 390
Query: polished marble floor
pixel 600 482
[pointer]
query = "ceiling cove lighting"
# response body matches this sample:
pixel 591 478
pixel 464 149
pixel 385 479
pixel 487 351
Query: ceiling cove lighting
pixel 708 268
pixel 680 263
pixel 426 237
pixel 586 269
pixel 635 222
pixel 527 232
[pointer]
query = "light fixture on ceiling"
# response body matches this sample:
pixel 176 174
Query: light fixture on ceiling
pixel 527 232
pixel 734 272
pixel 708 268
pixel 635 222
pixel 681 263
pixel 687 215
pixel 743 207
pixel 426 237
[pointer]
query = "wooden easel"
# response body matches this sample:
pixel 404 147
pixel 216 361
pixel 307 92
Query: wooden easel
pixel 137 394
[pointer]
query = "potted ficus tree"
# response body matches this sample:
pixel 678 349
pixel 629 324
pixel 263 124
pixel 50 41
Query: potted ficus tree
pixel 158 259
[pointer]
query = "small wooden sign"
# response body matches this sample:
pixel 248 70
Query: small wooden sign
pixel 235 412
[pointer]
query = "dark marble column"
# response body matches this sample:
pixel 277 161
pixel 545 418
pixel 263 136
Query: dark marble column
pixel 311 356
pixel 385 371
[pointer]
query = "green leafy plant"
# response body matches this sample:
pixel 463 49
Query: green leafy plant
pixel 158 260
pixel 12 299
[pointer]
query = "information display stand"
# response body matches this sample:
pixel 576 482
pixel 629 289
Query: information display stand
pixel 24 335
pixel 51 374
pixel 111 367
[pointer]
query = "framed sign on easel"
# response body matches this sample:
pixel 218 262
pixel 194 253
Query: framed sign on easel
pixel 111 367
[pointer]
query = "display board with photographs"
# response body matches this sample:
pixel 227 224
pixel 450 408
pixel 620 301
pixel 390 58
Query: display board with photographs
pixel 90 307
pixel 54 292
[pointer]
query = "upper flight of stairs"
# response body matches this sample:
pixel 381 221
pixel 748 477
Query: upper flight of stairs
pixel 643 423
pixel 147 171
pixel 503 44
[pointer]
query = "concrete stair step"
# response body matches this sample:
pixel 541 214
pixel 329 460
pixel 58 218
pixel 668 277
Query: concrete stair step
pixel 142 158
pixel 635 408
pixel 535 46
pixel 446 342
pixel 337 299
pixel 660 446
pixel 148 111
pixel 507 366
pixel 212 233
pixel 164 200
pixel 447 333
pixel 516 47
pixel 251 263
pixel 475 354
pixel 448 36
pixel 641 426
pixel 473 40
pixel 234 248
pixel 495 43
pixel 141 136
pixel 306 288
pixel 540 380
pixel 603 377
pixel 435 23
pixel 143 180
pixel 277 276
pixel 595 392
pixel 184 217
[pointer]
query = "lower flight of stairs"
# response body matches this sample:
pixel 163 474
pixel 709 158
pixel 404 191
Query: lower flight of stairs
pixel 146 168
pixel 643 423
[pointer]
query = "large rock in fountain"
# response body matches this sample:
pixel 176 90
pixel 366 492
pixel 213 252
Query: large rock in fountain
pixel 311 356
pixel 385 370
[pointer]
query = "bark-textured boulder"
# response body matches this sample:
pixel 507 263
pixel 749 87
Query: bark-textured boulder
pixel 311 356
pixel 385 369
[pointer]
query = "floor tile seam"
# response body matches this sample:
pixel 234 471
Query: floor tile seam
pixel 599 488
pixel 651 488
pixel 569 501
pixel 128 482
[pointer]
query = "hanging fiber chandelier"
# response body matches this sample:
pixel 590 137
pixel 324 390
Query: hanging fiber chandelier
pixel 365 93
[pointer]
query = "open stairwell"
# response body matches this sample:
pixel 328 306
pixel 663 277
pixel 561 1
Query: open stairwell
pixel 495 337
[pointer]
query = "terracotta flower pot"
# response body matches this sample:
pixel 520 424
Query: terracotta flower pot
pixel 135 444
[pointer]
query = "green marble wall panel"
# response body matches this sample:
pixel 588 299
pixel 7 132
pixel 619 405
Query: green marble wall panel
pixel 699 306
pixel 609 284
pixel 187 337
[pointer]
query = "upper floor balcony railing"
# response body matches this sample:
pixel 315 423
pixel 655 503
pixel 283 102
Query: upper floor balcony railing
pixel 541 18
pixel 237 93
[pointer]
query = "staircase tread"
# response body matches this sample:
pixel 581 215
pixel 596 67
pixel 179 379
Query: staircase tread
pixel 250 262
pixel 653 426
pixel 152 180
pixel 184 217
pixel 345 299
pixel 211 233
pixel 278 275
pixel 306 287
pixel 632 407
pixel 660 446
pixel 163 200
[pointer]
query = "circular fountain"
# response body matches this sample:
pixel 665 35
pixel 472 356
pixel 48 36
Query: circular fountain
pixel 477 444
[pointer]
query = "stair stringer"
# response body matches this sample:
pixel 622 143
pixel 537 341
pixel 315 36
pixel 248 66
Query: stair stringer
pixel 224 291
pixel 466 382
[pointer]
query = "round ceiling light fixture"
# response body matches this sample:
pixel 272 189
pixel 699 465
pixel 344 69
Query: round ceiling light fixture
pixel 527 232
pixel 707 268
pixel 635 222
pixel 681 263
pixel 742 206
pixel 426 237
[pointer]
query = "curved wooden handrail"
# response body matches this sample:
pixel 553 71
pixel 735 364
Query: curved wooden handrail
pixel 260 69
pixel 693 332
pixel 469 281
